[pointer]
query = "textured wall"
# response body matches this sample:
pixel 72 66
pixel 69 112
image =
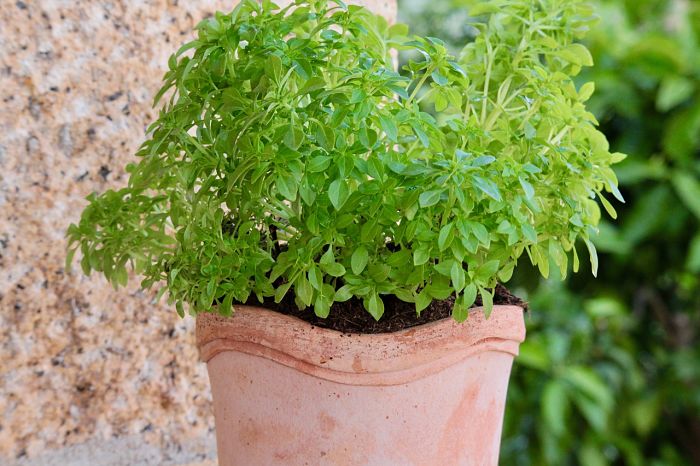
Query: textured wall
pixel 88 375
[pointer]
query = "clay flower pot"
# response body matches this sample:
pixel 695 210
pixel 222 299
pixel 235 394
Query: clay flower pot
pixel 288 393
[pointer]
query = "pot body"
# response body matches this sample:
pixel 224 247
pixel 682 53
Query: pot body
pixel 287 393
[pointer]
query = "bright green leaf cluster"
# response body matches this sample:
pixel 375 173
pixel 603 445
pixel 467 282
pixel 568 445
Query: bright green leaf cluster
pixel 291 157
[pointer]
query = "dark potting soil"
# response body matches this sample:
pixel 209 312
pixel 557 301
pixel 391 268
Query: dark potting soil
pixel 351 316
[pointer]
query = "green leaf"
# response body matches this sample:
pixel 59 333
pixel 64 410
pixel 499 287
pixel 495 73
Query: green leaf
pixel 368 137
pixel 530 168
pixel 480 231
pixel 444 267
pixel 530 131
pixel 644 414
pixel 458 276
pixel 421 255
pixel 422 136
pixel 315 277
pixel 688 189
pixel 693 260
pixel 273 67
pixel 358 261
pixel 319 163
pixel 484 8
pixel 487 301
pixel 313 84
pixel 307 193
pixel 322 306
pixel 439 289
pixel 673 91
pixel 429 198
pixel 488 187
pixel 302 68
pixel 617 157
pixel 594 414
pixel 608 207
pixel 281 291
pixel 441 102
pixel 69 259
pixel 586 91
pixel 533 354
pixel 423 300
pixel 328 257
pixel 506 272
pixel 593 254
pixel 529 232
pixel 398 30
pixel 460 312
pixel 527 188
pixel 577 54
pixel 457 68
pixel 304 291
pixel 375 306
pixel 487 271
pixel 334 270
pixel 539 254
pixel 482 160
pixel 338 193
pixel 445 237
pixel 189 45
pixel 343 294
pixel 226 308
pixel 591 384
pixel 554 406
pixel 325 137
pixel 439 79
pixel 120 276
pixel 590 454
pixel 389 127
pixel 287 186
pixel 293 137
pixel 469 295
pixel 85 264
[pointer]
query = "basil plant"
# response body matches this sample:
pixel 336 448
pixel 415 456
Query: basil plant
pixel 290 156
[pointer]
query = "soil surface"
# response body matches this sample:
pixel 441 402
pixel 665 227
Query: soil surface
pixel 351 316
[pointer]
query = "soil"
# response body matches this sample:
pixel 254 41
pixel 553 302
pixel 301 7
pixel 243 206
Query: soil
pixel 351 316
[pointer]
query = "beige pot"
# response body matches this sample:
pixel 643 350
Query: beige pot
pixel 288 393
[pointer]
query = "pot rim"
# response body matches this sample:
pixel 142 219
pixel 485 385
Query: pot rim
pixel 360 359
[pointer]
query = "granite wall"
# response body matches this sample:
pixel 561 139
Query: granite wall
pixel 88 375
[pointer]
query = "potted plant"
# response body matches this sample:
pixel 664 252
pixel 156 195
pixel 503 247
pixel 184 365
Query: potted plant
pixel 332 222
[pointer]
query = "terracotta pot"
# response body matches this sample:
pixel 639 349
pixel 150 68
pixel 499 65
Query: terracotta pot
pixel 288 393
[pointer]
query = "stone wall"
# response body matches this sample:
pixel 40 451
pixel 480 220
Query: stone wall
pixel 89 375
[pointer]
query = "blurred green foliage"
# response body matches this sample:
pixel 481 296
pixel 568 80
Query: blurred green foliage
pixel 610 372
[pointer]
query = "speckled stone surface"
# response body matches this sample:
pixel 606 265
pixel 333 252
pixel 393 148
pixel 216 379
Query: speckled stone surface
pixel 87 370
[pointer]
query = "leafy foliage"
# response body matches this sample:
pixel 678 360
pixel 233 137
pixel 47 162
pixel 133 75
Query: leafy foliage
pixel 591 388
pixel 291 157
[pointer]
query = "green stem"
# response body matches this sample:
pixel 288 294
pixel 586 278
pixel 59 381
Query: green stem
pixel 489 63
pixel 419 86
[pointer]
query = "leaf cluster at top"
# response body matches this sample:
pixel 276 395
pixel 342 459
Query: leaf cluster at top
pixel 290 156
